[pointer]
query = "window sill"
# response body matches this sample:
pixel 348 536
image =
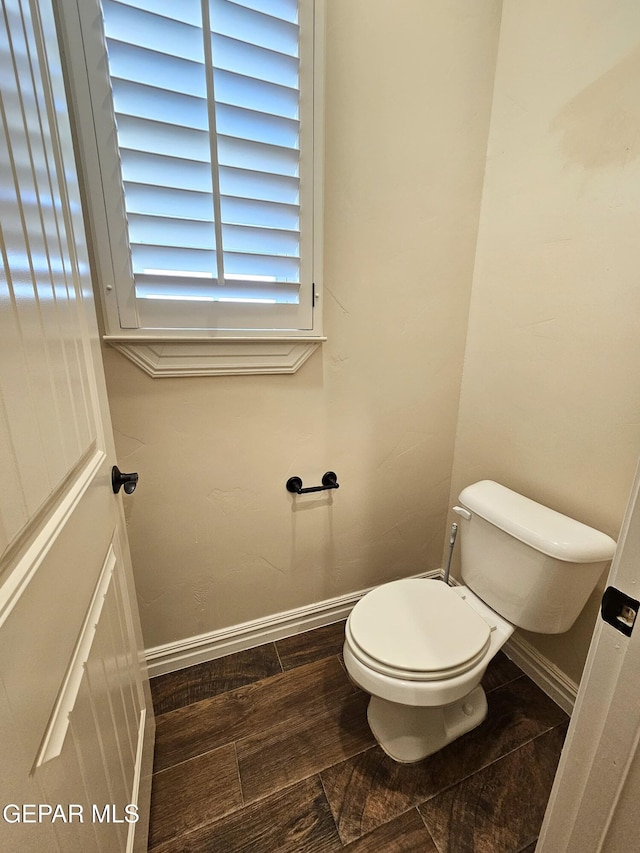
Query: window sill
pixel 160 356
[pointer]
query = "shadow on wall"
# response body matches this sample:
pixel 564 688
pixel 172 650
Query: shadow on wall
pixel 600 125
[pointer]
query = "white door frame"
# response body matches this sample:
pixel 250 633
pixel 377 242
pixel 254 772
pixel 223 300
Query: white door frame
pixel 594 801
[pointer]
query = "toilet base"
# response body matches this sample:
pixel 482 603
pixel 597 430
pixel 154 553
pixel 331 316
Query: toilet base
pixel 408 733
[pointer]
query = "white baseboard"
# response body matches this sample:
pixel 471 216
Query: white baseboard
pixel 549 678
pixel 248 635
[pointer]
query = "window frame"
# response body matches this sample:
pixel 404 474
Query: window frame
pixel 176 351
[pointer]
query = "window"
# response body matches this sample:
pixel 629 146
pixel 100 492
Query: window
pixel 201 177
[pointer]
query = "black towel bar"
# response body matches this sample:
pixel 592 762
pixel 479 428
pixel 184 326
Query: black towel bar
pixel 329 481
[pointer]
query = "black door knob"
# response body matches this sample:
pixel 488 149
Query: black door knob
pixel 118 480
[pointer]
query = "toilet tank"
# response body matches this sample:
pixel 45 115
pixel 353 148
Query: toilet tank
pixel 534 566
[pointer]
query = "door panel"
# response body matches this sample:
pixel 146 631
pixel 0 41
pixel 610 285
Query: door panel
pixel 32 838
pixel 76 725
pixel 72 836
pixel 47 417
pixel 593 806
pixel 59 590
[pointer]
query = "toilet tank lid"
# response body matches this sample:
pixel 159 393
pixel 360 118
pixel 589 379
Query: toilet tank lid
pixel 544 529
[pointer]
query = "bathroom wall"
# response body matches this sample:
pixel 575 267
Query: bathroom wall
pixel 215 538
pixel 550 403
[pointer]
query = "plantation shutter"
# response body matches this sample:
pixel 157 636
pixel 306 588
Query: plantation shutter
pixel 207 103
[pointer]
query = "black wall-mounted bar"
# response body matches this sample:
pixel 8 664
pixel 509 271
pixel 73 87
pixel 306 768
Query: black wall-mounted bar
pixel 329 481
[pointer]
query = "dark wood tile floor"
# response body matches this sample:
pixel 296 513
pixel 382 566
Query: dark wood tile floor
pixel 268 751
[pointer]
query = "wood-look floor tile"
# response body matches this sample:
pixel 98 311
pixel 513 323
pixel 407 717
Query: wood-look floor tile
pixel 370 789
pixel 195 729
pixel 404 834
pixel 185 686
pixel 500 671
pixel 500 808
pixel 302 746
pixel 297 820
pixel 195 792
pixel 311 646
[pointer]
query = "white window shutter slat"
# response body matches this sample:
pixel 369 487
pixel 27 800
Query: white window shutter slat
pixel 253 212
pixel 247 154
pixel 287 9
pixel 170 231
pixel 256 267
pixel 258 185
pixel 256 62
pixel 252 94
pixel 264 30
pixel 159 201
pixel 142 167
pixel 138 99
pixel 260 241
pixel 135 26
pixel 256 125
pixel 187 11
pixel 174 74
pixel 171 258
pixel 154 137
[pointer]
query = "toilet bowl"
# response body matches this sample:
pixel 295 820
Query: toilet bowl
pixel 421 647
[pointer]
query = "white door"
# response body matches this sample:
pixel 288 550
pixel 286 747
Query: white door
pixel 594 801
pixel 76 726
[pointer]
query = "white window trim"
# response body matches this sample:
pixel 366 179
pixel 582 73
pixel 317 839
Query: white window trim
pixel 180 352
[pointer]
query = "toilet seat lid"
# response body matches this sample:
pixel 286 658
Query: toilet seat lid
pixel 418 625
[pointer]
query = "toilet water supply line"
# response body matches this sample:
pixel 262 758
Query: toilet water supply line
pixel 452 542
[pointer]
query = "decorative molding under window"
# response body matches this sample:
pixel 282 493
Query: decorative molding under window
pixel 221 357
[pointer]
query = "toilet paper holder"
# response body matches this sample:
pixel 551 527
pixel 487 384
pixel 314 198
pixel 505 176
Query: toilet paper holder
pixel 329 481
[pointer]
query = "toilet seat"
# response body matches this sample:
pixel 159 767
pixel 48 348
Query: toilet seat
pixel 418 630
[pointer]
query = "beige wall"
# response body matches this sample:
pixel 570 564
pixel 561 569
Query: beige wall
pixel 216 540
pixel 550 403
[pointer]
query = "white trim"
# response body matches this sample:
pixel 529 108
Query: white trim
pixel 248 635
pixel 135 788
pixel 549 678
pixel 319 66
pixel 58 726
pixel 219 357
pixel 213 135
pixel 29 563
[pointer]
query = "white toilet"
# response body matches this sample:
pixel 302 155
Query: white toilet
pixel 420 647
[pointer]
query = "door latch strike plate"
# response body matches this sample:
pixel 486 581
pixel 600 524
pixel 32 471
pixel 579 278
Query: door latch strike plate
pixel 619 610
